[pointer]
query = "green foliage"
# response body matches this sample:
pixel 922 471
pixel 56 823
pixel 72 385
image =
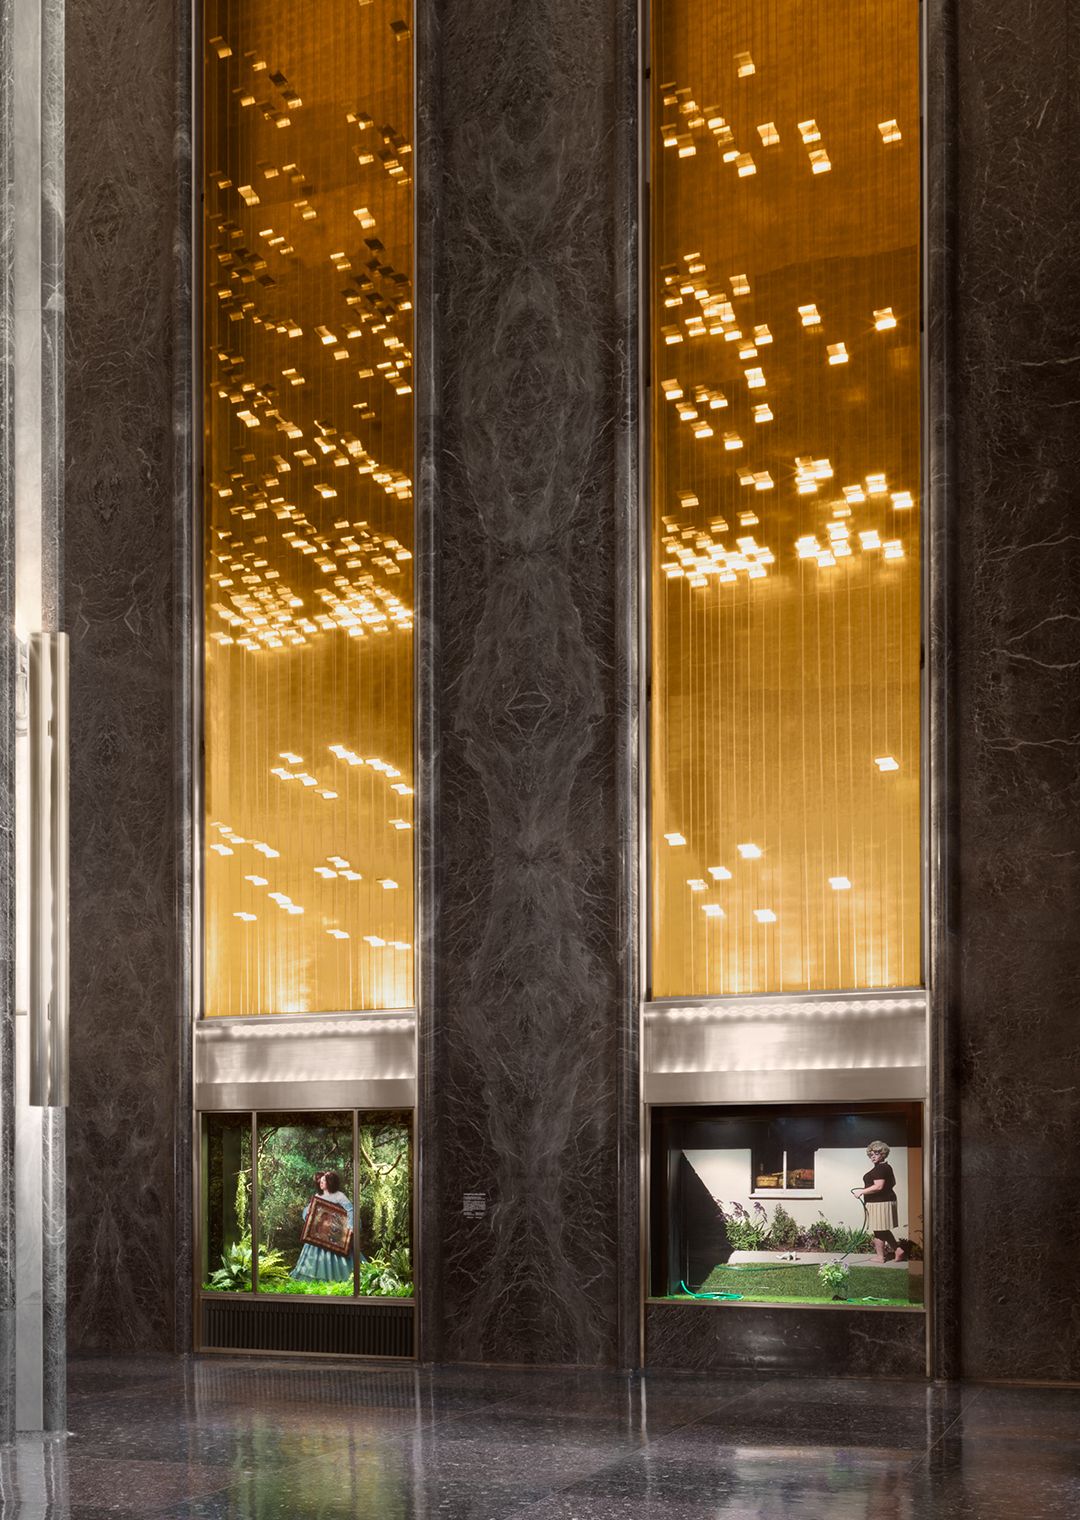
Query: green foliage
pixel 242 1191
pixel 385 1197
pixel 378 1279
pixel 784 1233
pixel 380 1186
pixel 751 1230
pixel 234 1274
pixel 799 1283
pixel 304 1287
pixel 290 1155
pixel 823 1236
pixel 834 1276
pixel 747 1231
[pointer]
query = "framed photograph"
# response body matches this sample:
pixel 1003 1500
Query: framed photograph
pixel 327 1225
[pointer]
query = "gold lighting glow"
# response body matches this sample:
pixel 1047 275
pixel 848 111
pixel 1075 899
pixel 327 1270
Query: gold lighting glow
pixel 785 538
pixel 308 586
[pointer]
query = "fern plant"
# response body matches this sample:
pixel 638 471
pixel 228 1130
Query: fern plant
pixel 234 1274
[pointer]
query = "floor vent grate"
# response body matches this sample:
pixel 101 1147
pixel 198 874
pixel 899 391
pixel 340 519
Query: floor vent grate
pixel 340 1329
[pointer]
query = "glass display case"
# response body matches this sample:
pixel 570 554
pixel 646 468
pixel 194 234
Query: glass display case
pixel 307 1204
pixel 797 1203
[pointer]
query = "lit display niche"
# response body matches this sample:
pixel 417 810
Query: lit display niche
pixel 307 374
pixel 785 497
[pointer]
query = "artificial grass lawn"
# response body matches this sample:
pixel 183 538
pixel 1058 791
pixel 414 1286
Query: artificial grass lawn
pixel 342 1289
pixel 801 1285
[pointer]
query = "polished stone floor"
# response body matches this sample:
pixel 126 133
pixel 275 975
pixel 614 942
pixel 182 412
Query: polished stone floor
pixel 236 1440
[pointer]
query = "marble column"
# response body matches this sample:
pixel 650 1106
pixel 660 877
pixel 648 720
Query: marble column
pixel 129 1123
pixel 529 999
pixel 1015 684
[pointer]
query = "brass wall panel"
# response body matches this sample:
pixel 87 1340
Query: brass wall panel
pixel 308 250
pixel 786 583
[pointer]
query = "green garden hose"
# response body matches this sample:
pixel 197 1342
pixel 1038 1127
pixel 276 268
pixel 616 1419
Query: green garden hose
pixel 691 1294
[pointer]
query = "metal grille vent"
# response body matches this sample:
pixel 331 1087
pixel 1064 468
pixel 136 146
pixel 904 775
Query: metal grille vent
pixel 330 1329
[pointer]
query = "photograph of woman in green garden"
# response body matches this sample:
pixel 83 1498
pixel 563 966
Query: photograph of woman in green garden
pixel 316 1263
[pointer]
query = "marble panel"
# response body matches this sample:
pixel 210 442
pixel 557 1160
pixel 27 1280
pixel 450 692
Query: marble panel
pixel 940 946
pixel 185 519
pixel 1015 686
pixel 120 585
pixel 848 1342
pixel 525 439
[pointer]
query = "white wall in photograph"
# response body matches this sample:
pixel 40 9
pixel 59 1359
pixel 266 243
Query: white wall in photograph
pixel 726 1174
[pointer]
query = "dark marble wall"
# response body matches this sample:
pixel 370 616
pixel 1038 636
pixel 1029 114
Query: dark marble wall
pixel 525 354
pixel 1014 515
pixel 528 995
pixel 125 1127
pixel 848 1342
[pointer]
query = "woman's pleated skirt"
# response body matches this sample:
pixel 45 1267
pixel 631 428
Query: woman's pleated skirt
pixel 881 1216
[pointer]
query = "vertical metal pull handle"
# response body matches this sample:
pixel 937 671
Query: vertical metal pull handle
pixel 49 870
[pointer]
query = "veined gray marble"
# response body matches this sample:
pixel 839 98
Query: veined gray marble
pixel 184 521
pixel 1015 684
pixel 705 1337
pixel 941 928
pixel 528 1001
pixel 120 587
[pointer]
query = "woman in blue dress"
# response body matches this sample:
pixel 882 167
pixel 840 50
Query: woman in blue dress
pixel 315 1263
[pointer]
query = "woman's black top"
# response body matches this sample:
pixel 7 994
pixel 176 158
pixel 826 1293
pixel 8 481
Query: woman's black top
pixel 883 1172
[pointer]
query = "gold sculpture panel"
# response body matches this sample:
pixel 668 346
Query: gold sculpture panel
pixel 308 426
pixel 786 643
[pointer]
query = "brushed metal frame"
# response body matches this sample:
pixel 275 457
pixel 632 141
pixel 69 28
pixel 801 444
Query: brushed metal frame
pixel 372 1092
pixel 933 784
pixel 49 968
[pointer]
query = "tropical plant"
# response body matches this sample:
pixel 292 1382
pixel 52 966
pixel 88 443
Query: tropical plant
pixel 378 1279
pixel 234 1274
pixel 834 1276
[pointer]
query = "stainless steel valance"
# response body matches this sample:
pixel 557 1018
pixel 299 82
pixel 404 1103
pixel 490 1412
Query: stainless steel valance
pixel 343 1060
pixel 814 1047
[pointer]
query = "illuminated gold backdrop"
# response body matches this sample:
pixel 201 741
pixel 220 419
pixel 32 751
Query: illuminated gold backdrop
pixel 785 555
pixel 309 518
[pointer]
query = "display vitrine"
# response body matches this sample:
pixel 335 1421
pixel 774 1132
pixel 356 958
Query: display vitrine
pixel 792 1204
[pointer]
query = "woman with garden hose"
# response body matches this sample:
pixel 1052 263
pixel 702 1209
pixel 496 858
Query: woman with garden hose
pixel 878 1194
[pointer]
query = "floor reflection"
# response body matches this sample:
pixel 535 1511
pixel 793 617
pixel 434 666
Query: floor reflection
pixel 240 1440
